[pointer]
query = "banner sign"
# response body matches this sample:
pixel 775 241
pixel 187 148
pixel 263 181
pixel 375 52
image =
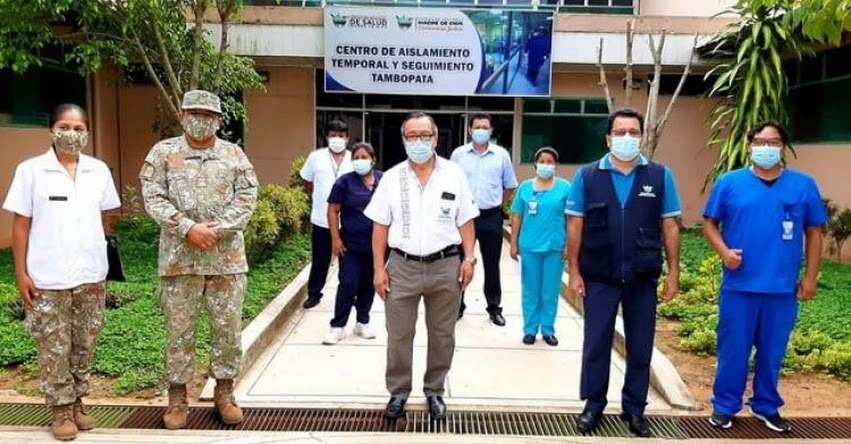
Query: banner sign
pixel 438 51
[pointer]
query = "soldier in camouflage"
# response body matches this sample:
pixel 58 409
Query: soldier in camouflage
pixel 201 190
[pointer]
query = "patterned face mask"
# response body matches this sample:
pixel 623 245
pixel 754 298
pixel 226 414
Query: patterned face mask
pixel 199 126
pixel 70 141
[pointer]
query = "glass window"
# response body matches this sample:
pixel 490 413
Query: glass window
pixel 29 98
pixel 838 62
pixel 490 103
pixel 819 112
pixel 335 99
pixel 576 128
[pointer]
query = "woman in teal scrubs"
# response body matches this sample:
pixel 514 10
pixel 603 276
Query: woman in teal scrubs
pixel 538 236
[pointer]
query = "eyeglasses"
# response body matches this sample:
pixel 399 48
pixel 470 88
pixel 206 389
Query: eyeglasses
pixel 623 132
pixel 759 141
pixel 422 137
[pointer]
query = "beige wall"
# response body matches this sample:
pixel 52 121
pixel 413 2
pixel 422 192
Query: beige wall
pixel 103 116
pixel 136 105
pixel 280 122
pixel 691 8
pixel 18 144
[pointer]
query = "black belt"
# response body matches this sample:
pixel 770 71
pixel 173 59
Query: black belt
pixel 449 251
pixel 490 211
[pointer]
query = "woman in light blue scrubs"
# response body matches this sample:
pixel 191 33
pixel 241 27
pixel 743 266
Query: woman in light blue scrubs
pixel 539 237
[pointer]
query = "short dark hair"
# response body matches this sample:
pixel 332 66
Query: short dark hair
pixel 630 113
pixel 418 115
pixel 546 150
pixel 337 126
pixel 366 146
pixel 480 116
pixel 63 108
pixel 784 136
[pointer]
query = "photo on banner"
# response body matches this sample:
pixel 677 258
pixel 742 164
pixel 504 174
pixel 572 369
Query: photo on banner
pixel 425 51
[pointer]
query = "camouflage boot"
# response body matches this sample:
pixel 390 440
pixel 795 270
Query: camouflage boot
pixel 83 420
pixel 178 410
pixel 225 403
pixel 63 427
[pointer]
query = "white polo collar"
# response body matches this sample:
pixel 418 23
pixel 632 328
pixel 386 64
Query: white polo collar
pixel 49 162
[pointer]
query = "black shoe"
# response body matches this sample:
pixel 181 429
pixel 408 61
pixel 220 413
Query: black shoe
pixel 637 425
pixel 720 421
pixel 497 319
pixel 551 340
pixel 588 421
pixel 461 311
pixel 310 303
pixel 773 422
pixel 528 339
pixel 436 407
pixel 395 408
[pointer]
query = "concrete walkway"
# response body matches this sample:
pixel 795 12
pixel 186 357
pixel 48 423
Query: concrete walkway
pixel 492 369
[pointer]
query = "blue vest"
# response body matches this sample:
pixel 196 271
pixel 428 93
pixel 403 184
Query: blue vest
pixel 622 244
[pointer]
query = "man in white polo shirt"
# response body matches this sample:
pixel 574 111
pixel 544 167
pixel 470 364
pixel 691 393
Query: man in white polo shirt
pixel 423 211
pixel 319 172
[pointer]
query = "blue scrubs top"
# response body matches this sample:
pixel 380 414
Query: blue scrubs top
pixel 353 196
pixel 543 228
pixel 752 215
pixel 623 185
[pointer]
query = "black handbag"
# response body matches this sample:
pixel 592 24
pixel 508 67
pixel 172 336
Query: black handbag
pixel 115 271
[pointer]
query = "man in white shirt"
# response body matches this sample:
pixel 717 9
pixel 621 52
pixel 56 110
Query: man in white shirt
pixel 423 212
pixel 491 176
pixel 319 172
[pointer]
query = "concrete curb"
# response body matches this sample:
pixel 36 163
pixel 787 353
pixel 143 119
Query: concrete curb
pixel 664 377
pixel 264 328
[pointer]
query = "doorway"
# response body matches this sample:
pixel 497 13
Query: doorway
pixel 383 131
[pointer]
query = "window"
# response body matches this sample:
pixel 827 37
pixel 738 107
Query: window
pixel 29 98
pixel 600 6
pixel 818 97
pixel 574 127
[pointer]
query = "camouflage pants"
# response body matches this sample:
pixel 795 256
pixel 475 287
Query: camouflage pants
pixel 65 325
pixel 180 297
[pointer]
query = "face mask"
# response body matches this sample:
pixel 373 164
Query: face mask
pixel 362 166
pixel 71 142
pixel 418 152
pixel 481 136
pixel 199 126
pixel 545 170
pixel 766 156
pixel 337 144
pixel 626 148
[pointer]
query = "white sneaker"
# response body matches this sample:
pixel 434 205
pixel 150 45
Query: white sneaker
pixel 364 331
pixel 334 335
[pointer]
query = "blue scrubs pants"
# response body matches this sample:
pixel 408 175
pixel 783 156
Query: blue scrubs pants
pixel 540 275
pixel 747 320
pixel 356 288
pixel 639 321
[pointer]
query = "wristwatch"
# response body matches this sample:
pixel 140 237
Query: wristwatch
pixel 472 260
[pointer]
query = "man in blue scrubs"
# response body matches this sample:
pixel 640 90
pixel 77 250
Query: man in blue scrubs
pixel 757 219
pixel 622 209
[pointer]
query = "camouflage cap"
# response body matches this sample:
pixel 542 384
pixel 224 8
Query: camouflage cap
pixel 200 99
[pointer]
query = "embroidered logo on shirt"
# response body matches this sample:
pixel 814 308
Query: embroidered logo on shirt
pixel 647 191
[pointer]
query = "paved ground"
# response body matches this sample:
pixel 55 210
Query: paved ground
pixel 492 369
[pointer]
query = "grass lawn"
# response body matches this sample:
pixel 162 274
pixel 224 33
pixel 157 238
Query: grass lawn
pixel 130 348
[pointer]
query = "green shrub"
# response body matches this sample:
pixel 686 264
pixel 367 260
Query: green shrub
pixel 702 341
pixel 133 381
pixel 295 177
pixel 290 205
pixel 16 346
pixel 837 360
pixel 262 230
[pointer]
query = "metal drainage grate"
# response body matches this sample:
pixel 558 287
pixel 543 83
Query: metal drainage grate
pixel 752 428
pixel 36 415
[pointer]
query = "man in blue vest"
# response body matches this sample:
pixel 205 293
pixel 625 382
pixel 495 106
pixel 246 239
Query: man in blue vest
pixel 622 209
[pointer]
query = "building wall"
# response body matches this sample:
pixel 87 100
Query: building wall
pixel 690 8
pixel 136 113
pixel 18 144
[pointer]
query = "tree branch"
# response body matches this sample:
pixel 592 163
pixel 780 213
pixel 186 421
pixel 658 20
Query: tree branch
pixel 670 108
pixel 151 72
pixel 226 10
pixel 610 103
pixel 198 8
pixel 653 99
pixel 630 35
pixel 166 61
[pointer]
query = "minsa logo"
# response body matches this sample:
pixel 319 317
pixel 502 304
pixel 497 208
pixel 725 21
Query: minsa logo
pixel 647 191
pixel 404 22
pixel 367 21
pixel 339 20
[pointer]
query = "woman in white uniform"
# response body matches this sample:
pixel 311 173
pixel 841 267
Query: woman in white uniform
pixel 60 261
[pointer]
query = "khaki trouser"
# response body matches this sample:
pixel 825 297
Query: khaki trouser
pixel 437 283
pixel 180 297
pixel 65 325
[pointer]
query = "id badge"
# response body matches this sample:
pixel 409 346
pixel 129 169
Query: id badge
pixel 788 227
pixel 533 207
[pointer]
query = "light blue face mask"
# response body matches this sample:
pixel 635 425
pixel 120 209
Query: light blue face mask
pixel 419 151
pixel 626 148
pixel 362 166
pixel 481 136
pixel 545 170
pixel 765 156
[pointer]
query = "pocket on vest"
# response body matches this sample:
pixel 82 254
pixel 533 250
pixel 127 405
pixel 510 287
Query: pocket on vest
pixel 648 252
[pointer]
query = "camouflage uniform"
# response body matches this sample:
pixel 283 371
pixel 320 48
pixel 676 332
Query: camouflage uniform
pixel 65 325
pixel 182 186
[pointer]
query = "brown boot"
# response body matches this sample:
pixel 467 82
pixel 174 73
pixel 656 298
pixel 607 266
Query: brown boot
pixel 225 403
pixel 83 420
pixel 178 410
pixel 63 427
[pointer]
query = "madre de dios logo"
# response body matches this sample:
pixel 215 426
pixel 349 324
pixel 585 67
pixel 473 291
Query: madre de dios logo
pixel 359 21
pixel 404 22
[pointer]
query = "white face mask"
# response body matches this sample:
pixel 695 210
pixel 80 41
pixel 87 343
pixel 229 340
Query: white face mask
pixel 337 144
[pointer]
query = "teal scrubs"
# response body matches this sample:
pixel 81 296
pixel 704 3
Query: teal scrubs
pixel 541 243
